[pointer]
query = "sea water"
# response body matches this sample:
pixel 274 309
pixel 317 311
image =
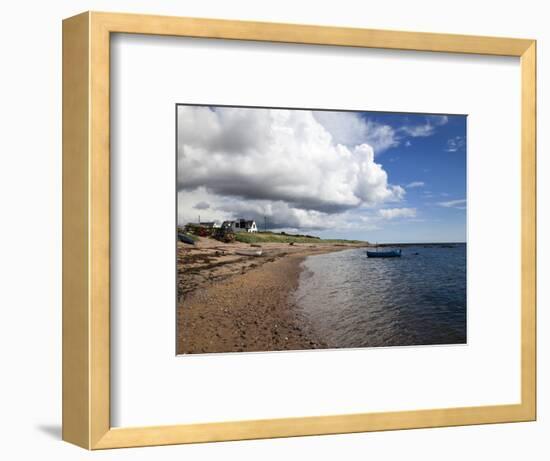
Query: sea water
pixel 417 299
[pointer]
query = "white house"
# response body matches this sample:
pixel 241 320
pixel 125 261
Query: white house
pixel 206 224
pixel 241 225
pixel 211 224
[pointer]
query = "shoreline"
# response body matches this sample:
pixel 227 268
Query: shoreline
pixel 424 244
pixel 229 303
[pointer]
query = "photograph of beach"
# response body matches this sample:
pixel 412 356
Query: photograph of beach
pixel 302 229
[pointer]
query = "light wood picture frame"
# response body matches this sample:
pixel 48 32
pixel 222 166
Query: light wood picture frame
pixel 86 230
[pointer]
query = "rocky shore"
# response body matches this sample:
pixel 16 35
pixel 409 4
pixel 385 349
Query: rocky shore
pixel 233 303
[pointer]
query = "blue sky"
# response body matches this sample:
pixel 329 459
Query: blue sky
pixel 433 166
pixel 381 177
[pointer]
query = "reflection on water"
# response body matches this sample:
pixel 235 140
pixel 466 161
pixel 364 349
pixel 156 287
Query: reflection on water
pixel 355 301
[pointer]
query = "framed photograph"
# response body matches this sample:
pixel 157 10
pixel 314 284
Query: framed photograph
pixel 255 183
pixel 276 230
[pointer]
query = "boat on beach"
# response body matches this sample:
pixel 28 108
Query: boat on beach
pixel 248 252
pixel 384 254
pixel 185 238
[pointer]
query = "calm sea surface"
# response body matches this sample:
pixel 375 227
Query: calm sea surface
pixel 355 301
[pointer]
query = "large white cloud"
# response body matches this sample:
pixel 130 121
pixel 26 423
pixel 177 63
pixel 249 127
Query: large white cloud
pixel 276 162
pixel 350 129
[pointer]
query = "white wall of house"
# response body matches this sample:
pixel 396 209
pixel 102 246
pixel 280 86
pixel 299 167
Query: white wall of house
pixel 235 227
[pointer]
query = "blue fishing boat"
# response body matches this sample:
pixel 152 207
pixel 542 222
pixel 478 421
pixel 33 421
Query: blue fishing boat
pixel 384 254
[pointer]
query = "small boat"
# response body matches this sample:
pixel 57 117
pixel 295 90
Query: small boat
pixel 384 254
pixel 185 239
pixel 248 252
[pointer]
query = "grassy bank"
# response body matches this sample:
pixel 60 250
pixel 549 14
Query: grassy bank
pixel 272 237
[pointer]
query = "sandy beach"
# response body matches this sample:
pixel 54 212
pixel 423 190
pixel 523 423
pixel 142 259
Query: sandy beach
pixel 233 303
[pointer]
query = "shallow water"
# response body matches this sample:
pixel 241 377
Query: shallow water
pixel 355 301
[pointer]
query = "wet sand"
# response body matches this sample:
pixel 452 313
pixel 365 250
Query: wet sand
pixel 233 303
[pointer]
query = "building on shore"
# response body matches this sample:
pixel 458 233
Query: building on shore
pixel 211 224
pixel 205 224
pixel 241 225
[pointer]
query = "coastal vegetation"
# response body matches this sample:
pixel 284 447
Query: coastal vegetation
pixel 226 235
pixel 282 237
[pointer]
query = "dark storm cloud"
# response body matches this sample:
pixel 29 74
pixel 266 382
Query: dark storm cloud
pixel 260 188
pixel 202 206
